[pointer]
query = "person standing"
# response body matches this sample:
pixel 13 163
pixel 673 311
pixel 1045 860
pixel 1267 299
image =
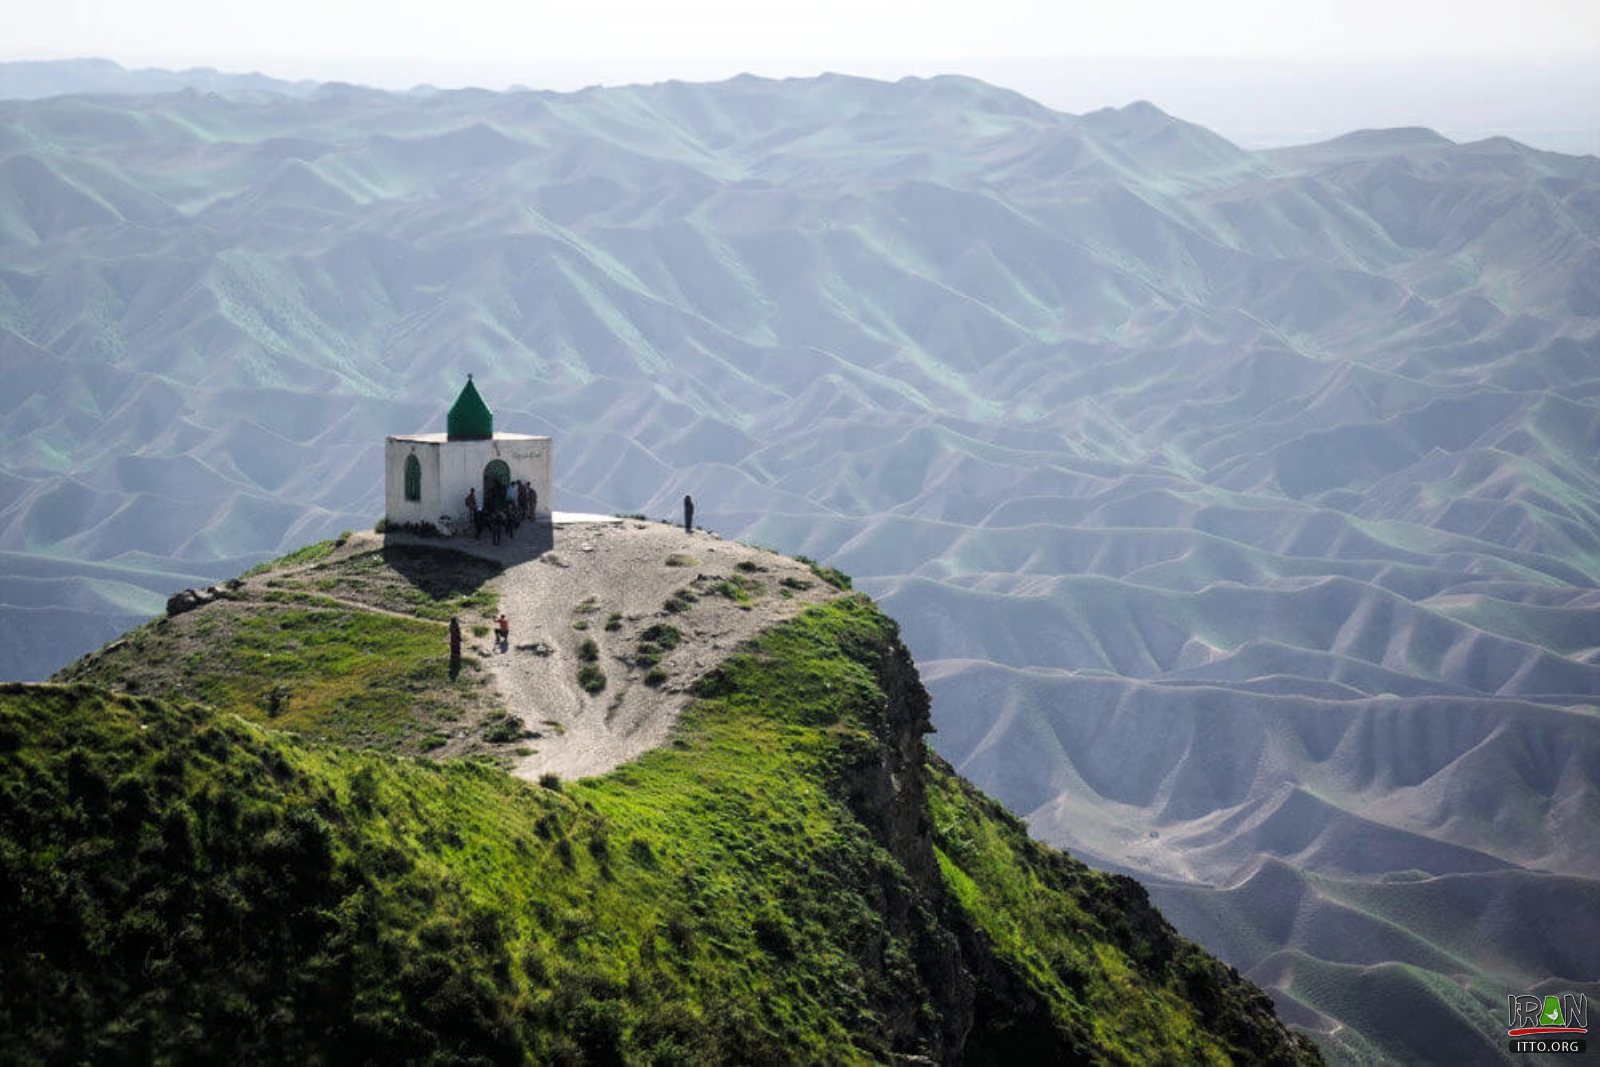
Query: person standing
pixel 688 513
pixel 455 646
pixel 502 631
pixel 472 513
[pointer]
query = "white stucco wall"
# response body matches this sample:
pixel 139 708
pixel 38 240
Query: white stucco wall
pixel 450 468
pixel 395 505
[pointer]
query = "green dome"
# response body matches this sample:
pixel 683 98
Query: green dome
pixel 470 418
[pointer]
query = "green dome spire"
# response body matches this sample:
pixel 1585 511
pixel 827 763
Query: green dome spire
pixel 470 418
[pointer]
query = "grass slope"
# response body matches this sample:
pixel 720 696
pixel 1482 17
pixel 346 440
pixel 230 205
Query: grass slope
pixel 347 648
pixel 176 883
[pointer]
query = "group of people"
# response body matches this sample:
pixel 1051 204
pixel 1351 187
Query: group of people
pixel 520 504
pixel 524 498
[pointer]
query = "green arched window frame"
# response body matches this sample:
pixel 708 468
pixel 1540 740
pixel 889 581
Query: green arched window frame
pixel 413 478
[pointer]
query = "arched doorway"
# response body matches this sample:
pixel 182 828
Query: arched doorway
pixel 496 476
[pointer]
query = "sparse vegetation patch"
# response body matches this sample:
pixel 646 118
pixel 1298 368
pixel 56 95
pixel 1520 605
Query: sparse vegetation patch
pixel 591 679
pixel 679 602
pixel 832 575
pixel 503 729
pixel 739 588
pixel 664 634
pixel 654 642
pixel 311 553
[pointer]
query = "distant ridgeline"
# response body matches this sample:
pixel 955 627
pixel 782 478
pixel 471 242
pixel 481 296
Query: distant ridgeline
pixel 794 878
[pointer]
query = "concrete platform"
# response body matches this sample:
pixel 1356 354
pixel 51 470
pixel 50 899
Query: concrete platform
pixel 582 518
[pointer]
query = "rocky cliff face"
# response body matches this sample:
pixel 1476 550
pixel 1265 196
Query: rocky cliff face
pixel 891 796
pixel 989 1009
pixel 887 790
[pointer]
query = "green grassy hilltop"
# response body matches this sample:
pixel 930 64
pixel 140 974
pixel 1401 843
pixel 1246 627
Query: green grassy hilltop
pixel 792 879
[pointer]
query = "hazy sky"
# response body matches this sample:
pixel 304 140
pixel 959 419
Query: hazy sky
pixel 501 30
pixel 1251 67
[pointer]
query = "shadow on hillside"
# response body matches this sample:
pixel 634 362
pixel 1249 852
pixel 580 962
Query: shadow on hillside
pixel 458 566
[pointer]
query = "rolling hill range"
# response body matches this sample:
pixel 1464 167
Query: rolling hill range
pixel 40 78
pixel 1241 507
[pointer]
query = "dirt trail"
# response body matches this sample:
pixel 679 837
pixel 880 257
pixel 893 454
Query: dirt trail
pixel 583 575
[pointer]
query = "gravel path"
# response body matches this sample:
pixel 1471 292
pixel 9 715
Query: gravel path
pixel 568 584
